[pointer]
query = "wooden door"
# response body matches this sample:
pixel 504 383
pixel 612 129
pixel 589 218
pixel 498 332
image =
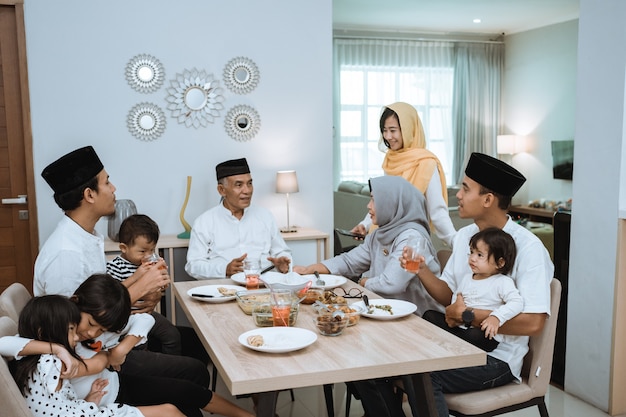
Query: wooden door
pixel 18 222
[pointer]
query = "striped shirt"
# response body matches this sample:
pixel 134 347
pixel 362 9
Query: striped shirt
pixel 119 268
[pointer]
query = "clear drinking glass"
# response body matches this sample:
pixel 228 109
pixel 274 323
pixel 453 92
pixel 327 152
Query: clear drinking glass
pixel 416 247
pixel 252 269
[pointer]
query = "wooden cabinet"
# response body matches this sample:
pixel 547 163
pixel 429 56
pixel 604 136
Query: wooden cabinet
pixel 531 213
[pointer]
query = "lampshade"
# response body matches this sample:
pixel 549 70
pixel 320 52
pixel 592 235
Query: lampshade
pixel 506 144
pixel 286 182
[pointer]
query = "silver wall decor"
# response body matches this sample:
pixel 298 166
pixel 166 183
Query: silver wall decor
pixel 241 75
pixel 242 122
pixel 145 73
pixel 195 98
pixel 146 121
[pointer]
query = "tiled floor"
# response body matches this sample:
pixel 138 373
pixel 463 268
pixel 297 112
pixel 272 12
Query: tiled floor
pixel 309 402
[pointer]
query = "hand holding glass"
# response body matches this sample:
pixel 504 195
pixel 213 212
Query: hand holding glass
pixel 152 258
pixel 251 269
pixel 416 248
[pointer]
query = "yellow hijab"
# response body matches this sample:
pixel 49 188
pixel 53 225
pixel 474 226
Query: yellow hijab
pixel 413 162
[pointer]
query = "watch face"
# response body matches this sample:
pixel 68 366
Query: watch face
pixel 468 317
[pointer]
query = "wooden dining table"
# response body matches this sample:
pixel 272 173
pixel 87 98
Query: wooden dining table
pixel 371 349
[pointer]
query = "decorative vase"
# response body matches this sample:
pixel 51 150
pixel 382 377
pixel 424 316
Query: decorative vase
pixel 123 209
pixel 186 234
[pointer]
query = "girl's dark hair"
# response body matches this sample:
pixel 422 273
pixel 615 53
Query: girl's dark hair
pixel 138 225
pixel 387 113
pixel 71 199
pixel 45 318
pixel 106 299
pixel 501 246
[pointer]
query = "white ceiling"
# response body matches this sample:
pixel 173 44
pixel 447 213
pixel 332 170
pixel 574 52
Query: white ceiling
pixel 451 16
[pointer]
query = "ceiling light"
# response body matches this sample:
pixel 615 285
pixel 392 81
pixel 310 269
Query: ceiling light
pixel 476 20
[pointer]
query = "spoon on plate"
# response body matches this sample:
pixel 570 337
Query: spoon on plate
pixel 319 281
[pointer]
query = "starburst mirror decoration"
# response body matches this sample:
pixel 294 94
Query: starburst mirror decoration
pixel 145 73
pixel 242 123
pixel 146 121
pixel 195 98
pixel 241 75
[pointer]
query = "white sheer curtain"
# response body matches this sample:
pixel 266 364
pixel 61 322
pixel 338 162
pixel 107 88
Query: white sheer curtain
pixel 453 105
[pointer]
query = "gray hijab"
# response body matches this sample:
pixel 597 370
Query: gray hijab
pixel 399 206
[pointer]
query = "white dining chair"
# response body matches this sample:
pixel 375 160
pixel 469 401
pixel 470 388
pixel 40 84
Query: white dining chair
pixel 535 376
pixel 13 403
pixel 13 299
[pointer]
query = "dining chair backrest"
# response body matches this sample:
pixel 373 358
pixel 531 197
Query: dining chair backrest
pixel 13 403
pixel 13 299
pixel 535 376
pixel 442 256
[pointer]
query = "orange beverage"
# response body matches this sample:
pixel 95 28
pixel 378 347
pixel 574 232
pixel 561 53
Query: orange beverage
pixel 280 315
pixel 413 265
pixel 252 281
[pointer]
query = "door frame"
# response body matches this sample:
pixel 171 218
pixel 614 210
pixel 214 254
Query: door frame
pixel 33 233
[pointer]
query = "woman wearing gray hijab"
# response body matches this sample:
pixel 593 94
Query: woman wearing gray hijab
pixel 399 210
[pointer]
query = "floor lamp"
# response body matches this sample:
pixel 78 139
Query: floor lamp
pixel 286 183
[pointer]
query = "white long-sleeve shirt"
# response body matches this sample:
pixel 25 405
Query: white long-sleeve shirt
pixel 218 237
pixel 67 258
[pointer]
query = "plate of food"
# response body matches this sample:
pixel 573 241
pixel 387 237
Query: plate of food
pixel 387 309
pixel 214 293
pixel 277 339
pixel 330 281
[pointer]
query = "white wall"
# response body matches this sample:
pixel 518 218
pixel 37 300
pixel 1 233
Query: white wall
pixel 77 53
pixel 539 100
pixel 597 159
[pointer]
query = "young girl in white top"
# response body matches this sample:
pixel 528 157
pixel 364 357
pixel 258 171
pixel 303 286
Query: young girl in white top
pixel 106 325
pixel 492 255
pixel 54 319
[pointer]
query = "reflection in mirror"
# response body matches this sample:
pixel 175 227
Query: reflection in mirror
pixel 145 73
pixel 195 98
pixel 242 122
pixel 241 75
pixel 146 121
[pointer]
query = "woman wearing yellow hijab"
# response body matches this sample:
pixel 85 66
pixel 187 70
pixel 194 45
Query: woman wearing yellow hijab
pixel 402 137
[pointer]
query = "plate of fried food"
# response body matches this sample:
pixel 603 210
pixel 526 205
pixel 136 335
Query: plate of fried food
pixel 386 309
pixel 277 339
pixel 214 293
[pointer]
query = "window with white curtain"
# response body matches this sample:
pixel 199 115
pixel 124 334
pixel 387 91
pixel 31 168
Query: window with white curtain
pixel 374 73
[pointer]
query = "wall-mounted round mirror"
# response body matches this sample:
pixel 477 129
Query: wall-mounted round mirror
pixel 146 121
pixel 195 98
pixel 241 75
pixel 242 122
pixel 145 73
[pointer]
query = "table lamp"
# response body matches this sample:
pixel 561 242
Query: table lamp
pixel 286 183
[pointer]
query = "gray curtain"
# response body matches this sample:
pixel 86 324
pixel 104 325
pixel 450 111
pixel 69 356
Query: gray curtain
pixel 478 69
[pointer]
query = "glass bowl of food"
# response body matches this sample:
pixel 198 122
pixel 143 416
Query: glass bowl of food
pixel 248 299
pixel 330 320
pixel 262 315
pixel 312 295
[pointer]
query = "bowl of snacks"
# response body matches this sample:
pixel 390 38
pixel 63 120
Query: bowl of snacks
pixel 262 315
pixel 330 320
pixel 248 299
pixel 312 295
pixel 353 312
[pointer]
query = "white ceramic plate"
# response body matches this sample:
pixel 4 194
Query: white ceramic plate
pixel 330 281
pixel 212 290
pixel 399 308
pixel 280 339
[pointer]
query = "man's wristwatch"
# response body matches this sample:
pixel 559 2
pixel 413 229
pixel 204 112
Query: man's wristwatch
pixel 468 316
